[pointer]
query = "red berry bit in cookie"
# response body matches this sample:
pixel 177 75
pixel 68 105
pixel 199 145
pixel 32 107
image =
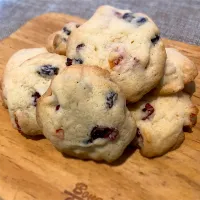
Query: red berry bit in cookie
pixel 70 61
pixel 115 62
pixel 80 46
pixel 193 119
pixel 48 70
pixel 57 107
pixel 18 126
pixel 59 134
pixel 103 132
pixel 35 96
pixel 111 97
pixel 148 109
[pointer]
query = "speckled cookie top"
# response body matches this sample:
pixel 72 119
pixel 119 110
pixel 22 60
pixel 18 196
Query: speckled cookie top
pixel 126 44
pixel 84 114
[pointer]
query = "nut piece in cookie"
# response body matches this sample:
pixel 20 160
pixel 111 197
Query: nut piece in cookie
pixel 179 71
pixel 57 41
pixel 84 114
pixel 160 121
pixel 126 44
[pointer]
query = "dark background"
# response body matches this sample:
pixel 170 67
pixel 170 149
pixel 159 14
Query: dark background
pixel 177 19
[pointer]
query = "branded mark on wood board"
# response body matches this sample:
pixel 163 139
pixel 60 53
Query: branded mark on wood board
pixel 80 192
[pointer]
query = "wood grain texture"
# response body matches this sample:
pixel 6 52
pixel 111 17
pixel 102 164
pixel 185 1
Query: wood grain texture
pixel 33 169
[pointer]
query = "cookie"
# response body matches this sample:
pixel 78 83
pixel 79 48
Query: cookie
pixel 84 114
pixel 179 71
pixel 160 121
pixel 29 81
pixel 14 62
pixel 57 41
pixel 127 45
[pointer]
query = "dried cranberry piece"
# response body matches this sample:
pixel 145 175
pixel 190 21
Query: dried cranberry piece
pixel 111 97
pixel 69 61
pixel 148 109
pixel 66 31
pixel 18 126
pixel 193 118
pixel 48 70
pixel 60 133
pixel 155 39
pixel 128 17
pixel 57 107
pixel 115 61
pixel 80 46
pixel 35 96
pixel 103 132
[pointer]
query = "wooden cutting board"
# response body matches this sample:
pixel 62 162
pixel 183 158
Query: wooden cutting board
pixel 33 169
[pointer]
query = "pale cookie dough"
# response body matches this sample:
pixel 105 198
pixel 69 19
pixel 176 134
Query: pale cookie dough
pixel 57 41
pixel 14 62
pixel 160 122
pixel 84 114
pixel 128 45
pixel 30 80
pixel 179 71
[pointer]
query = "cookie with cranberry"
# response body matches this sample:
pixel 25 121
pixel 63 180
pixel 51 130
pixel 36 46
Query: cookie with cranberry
pixel 31 80
pixel 57 41
pixel 160 121
pixel 84 114
pixel 179 71
pixel 14 62
pixel 127 44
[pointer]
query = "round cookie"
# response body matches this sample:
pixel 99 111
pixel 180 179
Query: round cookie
pixel 179 71
pixel 160 121
pixel 57 41
pixel 84 114
pixel 31 80
pixel 14 62
pixel 127 45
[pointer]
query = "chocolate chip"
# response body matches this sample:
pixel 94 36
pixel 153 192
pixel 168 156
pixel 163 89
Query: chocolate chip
pixel 111 97
pixel 78 25
pixel 80 46
pixel 66 31
pixel 155 39
pixel 35 96
pixel 69 62
pixel 148 109
pixel 141 20
pixel 128 17
pixel 48 70
pixel 103 132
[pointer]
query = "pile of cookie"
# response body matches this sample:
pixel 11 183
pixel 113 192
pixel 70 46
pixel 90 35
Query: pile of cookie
pixel 101 86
